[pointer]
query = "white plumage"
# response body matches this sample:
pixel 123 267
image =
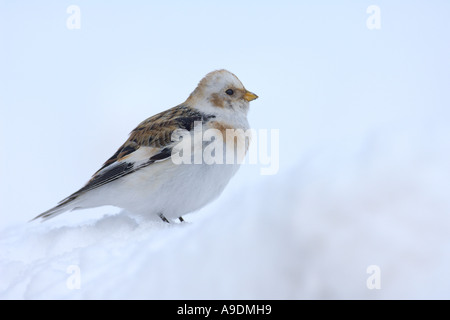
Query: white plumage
pixel 143 176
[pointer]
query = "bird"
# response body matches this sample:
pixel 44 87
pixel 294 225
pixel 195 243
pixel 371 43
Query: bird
pixel 142 176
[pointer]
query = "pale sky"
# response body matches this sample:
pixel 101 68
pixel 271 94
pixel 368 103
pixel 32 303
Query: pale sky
pixel 69 97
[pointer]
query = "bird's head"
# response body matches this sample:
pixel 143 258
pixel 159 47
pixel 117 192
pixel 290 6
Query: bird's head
pixel 223 90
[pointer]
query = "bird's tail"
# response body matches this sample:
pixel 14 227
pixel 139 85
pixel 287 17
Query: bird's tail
pixel 68 204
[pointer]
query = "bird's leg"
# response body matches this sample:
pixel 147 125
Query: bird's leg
pixel 181 219
pixel 163 218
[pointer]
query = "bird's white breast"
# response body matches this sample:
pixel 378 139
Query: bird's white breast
pixel 169 188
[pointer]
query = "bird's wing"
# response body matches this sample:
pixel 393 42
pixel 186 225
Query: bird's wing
pixel 150 142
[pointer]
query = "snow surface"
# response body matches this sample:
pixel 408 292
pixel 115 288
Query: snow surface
pixel 364 175
pixel 314 240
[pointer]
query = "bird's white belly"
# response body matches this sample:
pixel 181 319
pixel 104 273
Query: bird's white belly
pixel 166 188
pixel 169 188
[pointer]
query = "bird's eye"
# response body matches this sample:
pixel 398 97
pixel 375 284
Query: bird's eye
pixel 229 92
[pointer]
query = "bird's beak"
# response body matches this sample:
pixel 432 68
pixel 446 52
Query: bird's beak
pixel 249 96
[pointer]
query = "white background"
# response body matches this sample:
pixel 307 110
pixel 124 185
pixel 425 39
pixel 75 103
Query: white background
pixel 363 117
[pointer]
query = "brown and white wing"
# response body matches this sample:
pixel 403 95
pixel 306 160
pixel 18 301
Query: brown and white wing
pixel 150 142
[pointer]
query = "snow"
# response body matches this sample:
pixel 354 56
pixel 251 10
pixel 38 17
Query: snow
pixel 314 240
pixel 364 152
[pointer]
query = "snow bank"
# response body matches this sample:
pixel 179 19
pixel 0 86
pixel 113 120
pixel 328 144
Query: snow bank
pixel 309 232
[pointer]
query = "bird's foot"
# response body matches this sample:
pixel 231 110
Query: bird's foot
pixel 163 218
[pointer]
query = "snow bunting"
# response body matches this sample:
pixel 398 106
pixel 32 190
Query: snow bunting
pixel 142 177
